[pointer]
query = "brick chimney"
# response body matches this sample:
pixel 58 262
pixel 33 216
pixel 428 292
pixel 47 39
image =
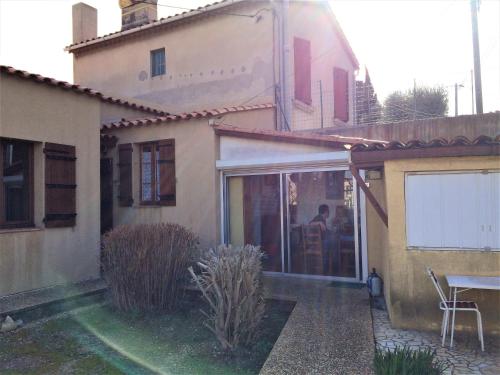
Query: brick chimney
pixel 137 12
pixel 84 22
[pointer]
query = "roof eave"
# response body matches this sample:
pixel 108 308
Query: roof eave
pixel 169 20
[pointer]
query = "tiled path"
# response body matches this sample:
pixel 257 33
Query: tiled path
pixel 328 332
pixel 465 358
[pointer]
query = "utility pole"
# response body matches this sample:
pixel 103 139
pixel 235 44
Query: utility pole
pixel 477 59
pixel 472 89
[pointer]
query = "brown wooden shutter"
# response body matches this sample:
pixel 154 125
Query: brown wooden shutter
pixel 302 69
pixel 125 167
pixel 166 171
pixel 341 94
pixel 60 185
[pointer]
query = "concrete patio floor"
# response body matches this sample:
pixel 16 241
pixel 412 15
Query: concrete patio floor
pixel 329 331
pixel 465 358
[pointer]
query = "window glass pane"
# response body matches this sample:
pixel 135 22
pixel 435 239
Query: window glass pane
pixel 321 223
pixel 255 216
pixel 147 177
pixel 15 180
pixel 157 62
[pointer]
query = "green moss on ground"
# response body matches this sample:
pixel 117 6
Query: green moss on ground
pixel 101 340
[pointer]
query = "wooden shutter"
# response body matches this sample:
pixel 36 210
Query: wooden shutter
pixel 341 94
pixel 302 70
pixel 60 185
pixel 166 172
pixel 125 167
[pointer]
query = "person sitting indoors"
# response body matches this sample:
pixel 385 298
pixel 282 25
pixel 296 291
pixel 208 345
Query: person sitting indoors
pixel 326 240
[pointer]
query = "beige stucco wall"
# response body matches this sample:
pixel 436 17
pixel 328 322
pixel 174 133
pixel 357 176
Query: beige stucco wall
pixel 413 299
pixel 40 257
pixel 197 182
pixel 310 21
pixel 210 62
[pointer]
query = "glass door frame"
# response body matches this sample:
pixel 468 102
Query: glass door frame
pixel 358 205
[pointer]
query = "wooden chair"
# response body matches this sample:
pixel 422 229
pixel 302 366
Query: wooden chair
pixel 312 249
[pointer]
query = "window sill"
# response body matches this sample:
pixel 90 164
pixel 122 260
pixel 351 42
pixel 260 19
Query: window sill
pixel 19 230
pixel 308 108
pixel 446 249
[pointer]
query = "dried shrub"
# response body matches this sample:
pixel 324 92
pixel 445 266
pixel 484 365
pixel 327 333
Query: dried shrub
pixel 145 264
pixel 231 283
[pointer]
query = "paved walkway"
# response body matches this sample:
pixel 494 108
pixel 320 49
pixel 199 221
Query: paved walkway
pixel 328 332
pixel 465 358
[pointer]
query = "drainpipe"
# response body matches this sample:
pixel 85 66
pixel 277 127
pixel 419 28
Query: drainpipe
pixel 285 71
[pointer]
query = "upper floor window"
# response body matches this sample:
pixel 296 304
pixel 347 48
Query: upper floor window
pixel 158 62
pixel 158 173
pixel 341 94
pixel 302 69
pixel 16 184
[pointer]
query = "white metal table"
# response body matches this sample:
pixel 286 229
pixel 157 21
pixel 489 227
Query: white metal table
pixel 459 284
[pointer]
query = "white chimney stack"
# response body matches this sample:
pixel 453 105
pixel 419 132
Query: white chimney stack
pixel 84 22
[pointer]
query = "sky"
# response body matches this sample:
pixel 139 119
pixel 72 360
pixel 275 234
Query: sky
pixel 399 41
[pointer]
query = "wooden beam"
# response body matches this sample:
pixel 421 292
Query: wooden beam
pixel 362 184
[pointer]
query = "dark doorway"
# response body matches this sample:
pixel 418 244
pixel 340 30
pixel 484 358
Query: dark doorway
pixel 106 194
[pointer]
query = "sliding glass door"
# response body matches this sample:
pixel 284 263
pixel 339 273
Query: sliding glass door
pixel 255 214
pixel 305 222
pixel 321 223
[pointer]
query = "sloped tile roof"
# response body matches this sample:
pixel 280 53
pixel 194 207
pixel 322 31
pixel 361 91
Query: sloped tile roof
pixel 78 89
pixel 419 144
pixel 200 11
pixel 291 137
pixel 184 116
pixel 161 21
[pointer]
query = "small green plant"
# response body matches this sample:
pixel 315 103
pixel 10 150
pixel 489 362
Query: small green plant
pixel 145 264
pixel 405 361
pixel 231 284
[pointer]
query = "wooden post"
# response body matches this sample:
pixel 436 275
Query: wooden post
pixel 362 184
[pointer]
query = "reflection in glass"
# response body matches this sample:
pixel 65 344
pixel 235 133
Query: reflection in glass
pixel 255 216
pixel 321 223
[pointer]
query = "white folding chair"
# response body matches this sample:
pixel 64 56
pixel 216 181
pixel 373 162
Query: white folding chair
pixel 447 306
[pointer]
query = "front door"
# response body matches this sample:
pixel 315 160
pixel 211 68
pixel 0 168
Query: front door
pixel 106 194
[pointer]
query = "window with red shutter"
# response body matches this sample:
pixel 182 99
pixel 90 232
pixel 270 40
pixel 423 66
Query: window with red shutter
pixel 302 69
pixel 158 173
pixel 341 94
pixel 60 185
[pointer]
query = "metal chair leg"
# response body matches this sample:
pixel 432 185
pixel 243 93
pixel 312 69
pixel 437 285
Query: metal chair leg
pixel 445 327
pixel 480 329
pixel 442 323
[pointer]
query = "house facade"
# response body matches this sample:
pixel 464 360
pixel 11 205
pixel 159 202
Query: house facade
pixel 49 192
pixel 291 54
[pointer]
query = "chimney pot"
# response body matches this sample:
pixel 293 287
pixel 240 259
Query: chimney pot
pixel 84 22
pixel 137 12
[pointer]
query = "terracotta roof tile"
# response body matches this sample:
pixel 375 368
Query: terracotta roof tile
pixel 161 21
pixel 183 116
pixel 78 89
pixel 420 144
pixel 291 137
pixel 201 10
